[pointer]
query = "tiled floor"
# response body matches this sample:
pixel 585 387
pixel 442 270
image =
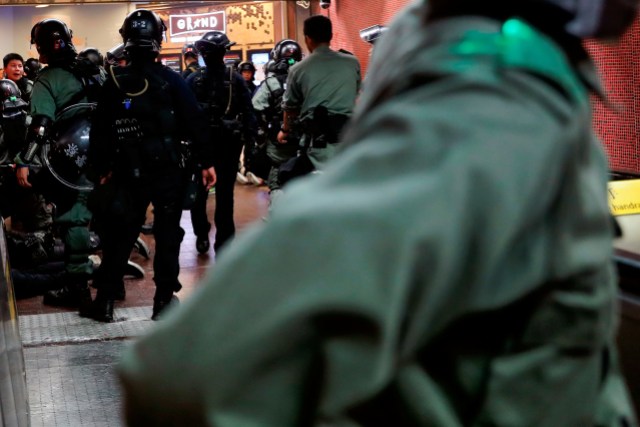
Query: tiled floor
pixel 70 360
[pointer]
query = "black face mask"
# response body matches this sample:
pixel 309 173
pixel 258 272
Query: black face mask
pixel 213 58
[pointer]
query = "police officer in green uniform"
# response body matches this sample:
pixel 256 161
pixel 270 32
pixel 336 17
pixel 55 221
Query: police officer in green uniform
pixel 65 82
pixel 452 267
pixel 325 78
pixel 27 208
pixel 267 101
pixel 143 114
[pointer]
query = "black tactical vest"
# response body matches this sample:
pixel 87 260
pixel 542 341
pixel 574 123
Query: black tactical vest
pixel 145 121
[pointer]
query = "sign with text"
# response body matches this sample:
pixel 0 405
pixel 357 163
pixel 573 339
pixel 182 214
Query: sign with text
pixel 186 27
pixel 624 197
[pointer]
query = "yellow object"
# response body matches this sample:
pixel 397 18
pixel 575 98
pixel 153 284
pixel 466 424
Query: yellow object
pixel 624 197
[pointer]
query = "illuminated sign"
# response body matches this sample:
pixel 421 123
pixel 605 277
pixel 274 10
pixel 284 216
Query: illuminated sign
pixel 624 197
pixel 182 27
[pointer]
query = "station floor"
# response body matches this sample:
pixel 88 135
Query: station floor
pixel 70 360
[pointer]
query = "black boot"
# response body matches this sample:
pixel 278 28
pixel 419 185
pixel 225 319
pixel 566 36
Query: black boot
pixel 202 244
pixel 101 309
pixel 72 295
pixel 160 305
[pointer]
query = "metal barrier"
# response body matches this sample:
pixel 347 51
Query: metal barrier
pixel 14 405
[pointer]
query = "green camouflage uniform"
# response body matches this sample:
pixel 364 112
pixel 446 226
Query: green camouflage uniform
pixel 54 89
pixel 452 267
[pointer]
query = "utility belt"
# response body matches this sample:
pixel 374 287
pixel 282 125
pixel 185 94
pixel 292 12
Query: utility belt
pixel 226 129
pixel 323 128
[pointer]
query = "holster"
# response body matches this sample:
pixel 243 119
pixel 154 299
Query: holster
pixel 324 128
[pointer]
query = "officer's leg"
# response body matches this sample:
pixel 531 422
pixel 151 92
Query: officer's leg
pixel 74 231
pixel 226 175
pixel 118 234
pixel 199 220
pixel 30 210
pixel 168 235
pixel 278 155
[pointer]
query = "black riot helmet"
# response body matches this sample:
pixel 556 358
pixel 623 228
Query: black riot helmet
pixel 93 55
pixel 143 30
pixel 189 51
pixel 11 103
pixel 213 45
pixel 287 49
pixel 53 40
pixel 268 68
pixel 115 55
pixel 246 66
pixel 284 54
pixel 31 68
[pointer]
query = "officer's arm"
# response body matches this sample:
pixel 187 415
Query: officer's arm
pixel 260 100
pixel 291 102
pixel 101 151
pixel 37 135
pixel 250 123
pixel 43 110
pixel 191 117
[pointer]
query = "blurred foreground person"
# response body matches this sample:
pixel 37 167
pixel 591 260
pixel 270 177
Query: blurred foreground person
pixel 452 267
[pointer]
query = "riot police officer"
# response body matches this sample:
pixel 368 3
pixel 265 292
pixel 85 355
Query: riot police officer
pixel 67 82
pixel 144 112
pixel 190 56
pixel 248 72
pixel 31 68
pixel 227 102
pixel 267 101
pixel 321 92
pixel 26 207
pixel 94 55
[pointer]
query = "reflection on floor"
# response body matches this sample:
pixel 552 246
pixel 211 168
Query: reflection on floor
pixel 70 360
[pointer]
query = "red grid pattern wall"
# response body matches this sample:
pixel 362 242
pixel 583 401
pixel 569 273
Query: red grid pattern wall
pixel 616 120
pixel 350 16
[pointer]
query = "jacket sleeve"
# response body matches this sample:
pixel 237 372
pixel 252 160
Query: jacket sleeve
pixel 249 121
pixel 191 119
pixel 102 147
